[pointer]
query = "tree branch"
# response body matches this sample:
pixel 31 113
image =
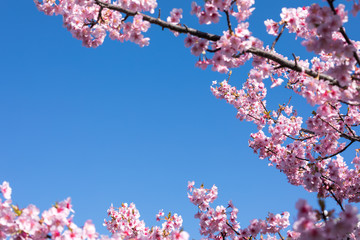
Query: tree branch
pixel 228 22
pixel 213 37
pixel 291 65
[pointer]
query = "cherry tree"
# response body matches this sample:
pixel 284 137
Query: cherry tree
pixel 308 151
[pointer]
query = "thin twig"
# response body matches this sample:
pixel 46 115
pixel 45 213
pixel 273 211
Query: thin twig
pixel 228 22
pixel 281 236
pixel 298 139
pixel 278 37
pixel 126 17
pixel 342 150
pixel 337 200
pixel 332 193
pixel 295 59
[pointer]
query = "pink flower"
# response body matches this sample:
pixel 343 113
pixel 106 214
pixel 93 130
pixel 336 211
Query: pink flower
pixel 272 27
pixel 6 190
pixel 277 82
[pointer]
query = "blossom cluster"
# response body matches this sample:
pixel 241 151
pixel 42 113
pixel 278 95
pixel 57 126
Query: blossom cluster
pixel 90 23
pixel 215 223
pixel 57 223
pixel 311 159
pixel 230 50
pixel 124 223
pixel 221 222
pixel 308 154
pixel 27 223
pixel 175 16
pixel 311 224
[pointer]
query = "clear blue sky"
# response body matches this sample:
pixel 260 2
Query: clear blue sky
pixel 122 123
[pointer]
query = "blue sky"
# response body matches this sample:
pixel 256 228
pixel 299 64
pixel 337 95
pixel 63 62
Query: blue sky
pixel 122 123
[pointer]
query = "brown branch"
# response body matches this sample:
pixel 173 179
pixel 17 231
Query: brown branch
pixel 281 236
pixel 291 65
pixel 228 22
pixel 307 131
pixel 337 200
pixel 350 104
pixel 303 159
pixel 125 18
pixel 295 59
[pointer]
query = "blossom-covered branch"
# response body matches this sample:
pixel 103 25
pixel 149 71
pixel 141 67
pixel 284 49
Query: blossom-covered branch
pixel 283 62
pixel 161 23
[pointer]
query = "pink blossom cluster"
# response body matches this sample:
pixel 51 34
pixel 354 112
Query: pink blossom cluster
pixel 221 222
pixel 329 41
pixel 295 20
pixel 138 5
pixel 124 223
pixel 89 23
pixel 175 16
pixel 55 223
pixel 234 42
pixel 308 155
pixel 210 13
pixel 215 223
pixel 229 46
pixel 319 27
pixel 311 157
pixel 243 10
pixel 313 224
pixel 272 27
